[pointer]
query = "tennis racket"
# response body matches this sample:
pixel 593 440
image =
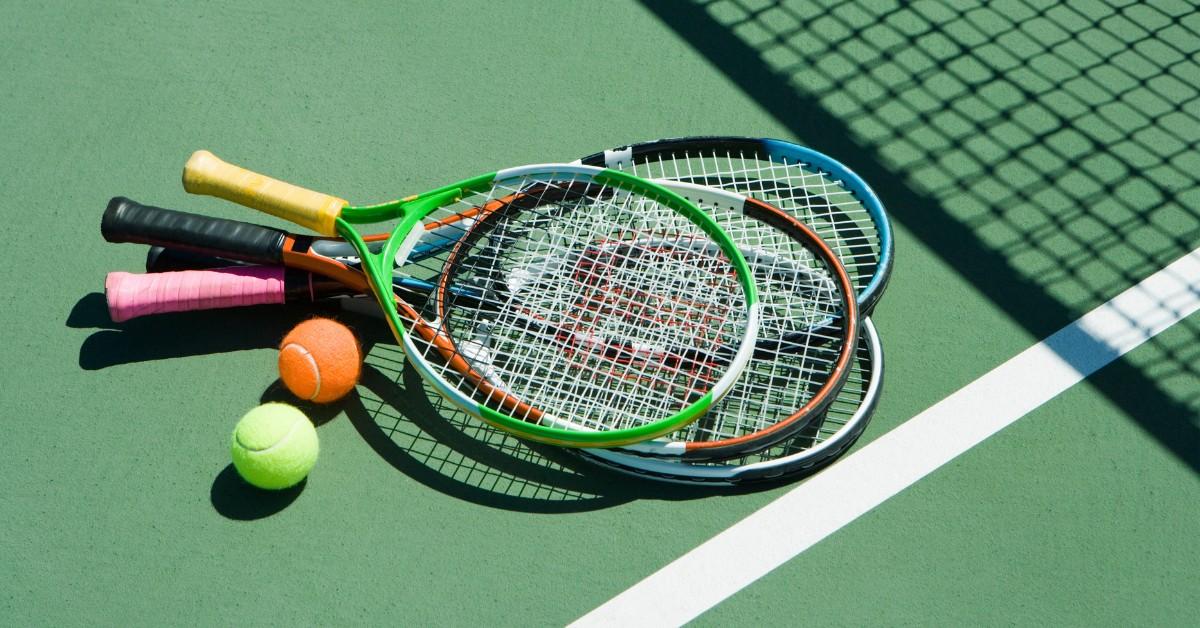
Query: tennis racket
pixel 801 358
pixel 616 337
pixel 819 190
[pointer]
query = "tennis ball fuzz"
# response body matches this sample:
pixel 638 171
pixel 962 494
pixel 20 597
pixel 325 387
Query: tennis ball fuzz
pixel 320 360
pixel 274 446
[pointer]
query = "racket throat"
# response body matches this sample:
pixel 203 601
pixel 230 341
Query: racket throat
pixel 416 208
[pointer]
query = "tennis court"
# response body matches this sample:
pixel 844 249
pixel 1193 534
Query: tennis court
pixel 1034 455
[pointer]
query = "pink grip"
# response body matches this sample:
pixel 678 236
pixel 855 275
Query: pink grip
pixel 130 296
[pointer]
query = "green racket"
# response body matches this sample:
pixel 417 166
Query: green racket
pixel 577 306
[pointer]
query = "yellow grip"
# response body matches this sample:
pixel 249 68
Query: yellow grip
pixel 205 173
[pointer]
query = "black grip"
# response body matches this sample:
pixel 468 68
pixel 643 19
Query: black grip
pixel 161 260
pixel 129 221
pixel 304 287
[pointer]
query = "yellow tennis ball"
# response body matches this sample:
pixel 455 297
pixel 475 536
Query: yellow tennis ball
pixel 274 446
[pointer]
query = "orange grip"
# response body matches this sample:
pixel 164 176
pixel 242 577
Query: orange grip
pixel 205 173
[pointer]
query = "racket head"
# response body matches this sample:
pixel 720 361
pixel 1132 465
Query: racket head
pixel 816 188
pixel 818 445
pixel 537 359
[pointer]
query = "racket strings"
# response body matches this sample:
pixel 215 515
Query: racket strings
pixel 587 309
pixel 802 311
pixel 823 203
pixel 831 423
pixel 803 308
pixel 627 301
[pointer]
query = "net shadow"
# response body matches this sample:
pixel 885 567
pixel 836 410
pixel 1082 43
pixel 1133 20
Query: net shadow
pixel 1046 152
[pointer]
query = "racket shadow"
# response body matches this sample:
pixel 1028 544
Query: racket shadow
pixel 430 440
pixel 159 338
pixel 90 311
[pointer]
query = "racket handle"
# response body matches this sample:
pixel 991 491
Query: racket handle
pixel 206 174
pixel 161 260
pixel 126 220
pixel 130 296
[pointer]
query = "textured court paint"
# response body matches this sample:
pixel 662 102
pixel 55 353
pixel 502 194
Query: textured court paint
pixel 770 537
pixel 115 438
pixel 1073 516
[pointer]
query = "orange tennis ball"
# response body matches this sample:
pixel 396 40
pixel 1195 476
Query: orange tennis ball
pixel 320 360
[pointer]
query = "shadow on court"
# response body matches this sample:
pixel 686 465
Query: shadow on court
pixel 180 334
pixel 400 417
pixel 235 499
pixel 1047 155
pixel 424 436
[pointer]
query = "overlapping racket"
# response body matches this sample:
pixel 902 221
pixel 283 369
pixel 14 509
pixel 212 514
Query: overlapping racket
pixel 814 236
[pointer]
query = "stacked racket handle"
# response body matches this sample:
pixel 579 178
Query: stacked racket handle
pixel 814 239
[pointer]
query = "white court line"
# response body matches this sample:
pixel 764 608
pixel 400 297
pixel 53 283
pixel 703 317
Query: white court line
pixel 766 539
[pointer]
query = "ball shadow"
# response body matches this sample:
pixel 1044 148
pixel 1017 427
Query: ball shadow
pixel 235 499
pixel 318 413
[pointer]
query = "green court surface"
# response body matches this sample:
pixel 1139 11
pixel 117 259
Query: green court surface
pixel 1037 158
